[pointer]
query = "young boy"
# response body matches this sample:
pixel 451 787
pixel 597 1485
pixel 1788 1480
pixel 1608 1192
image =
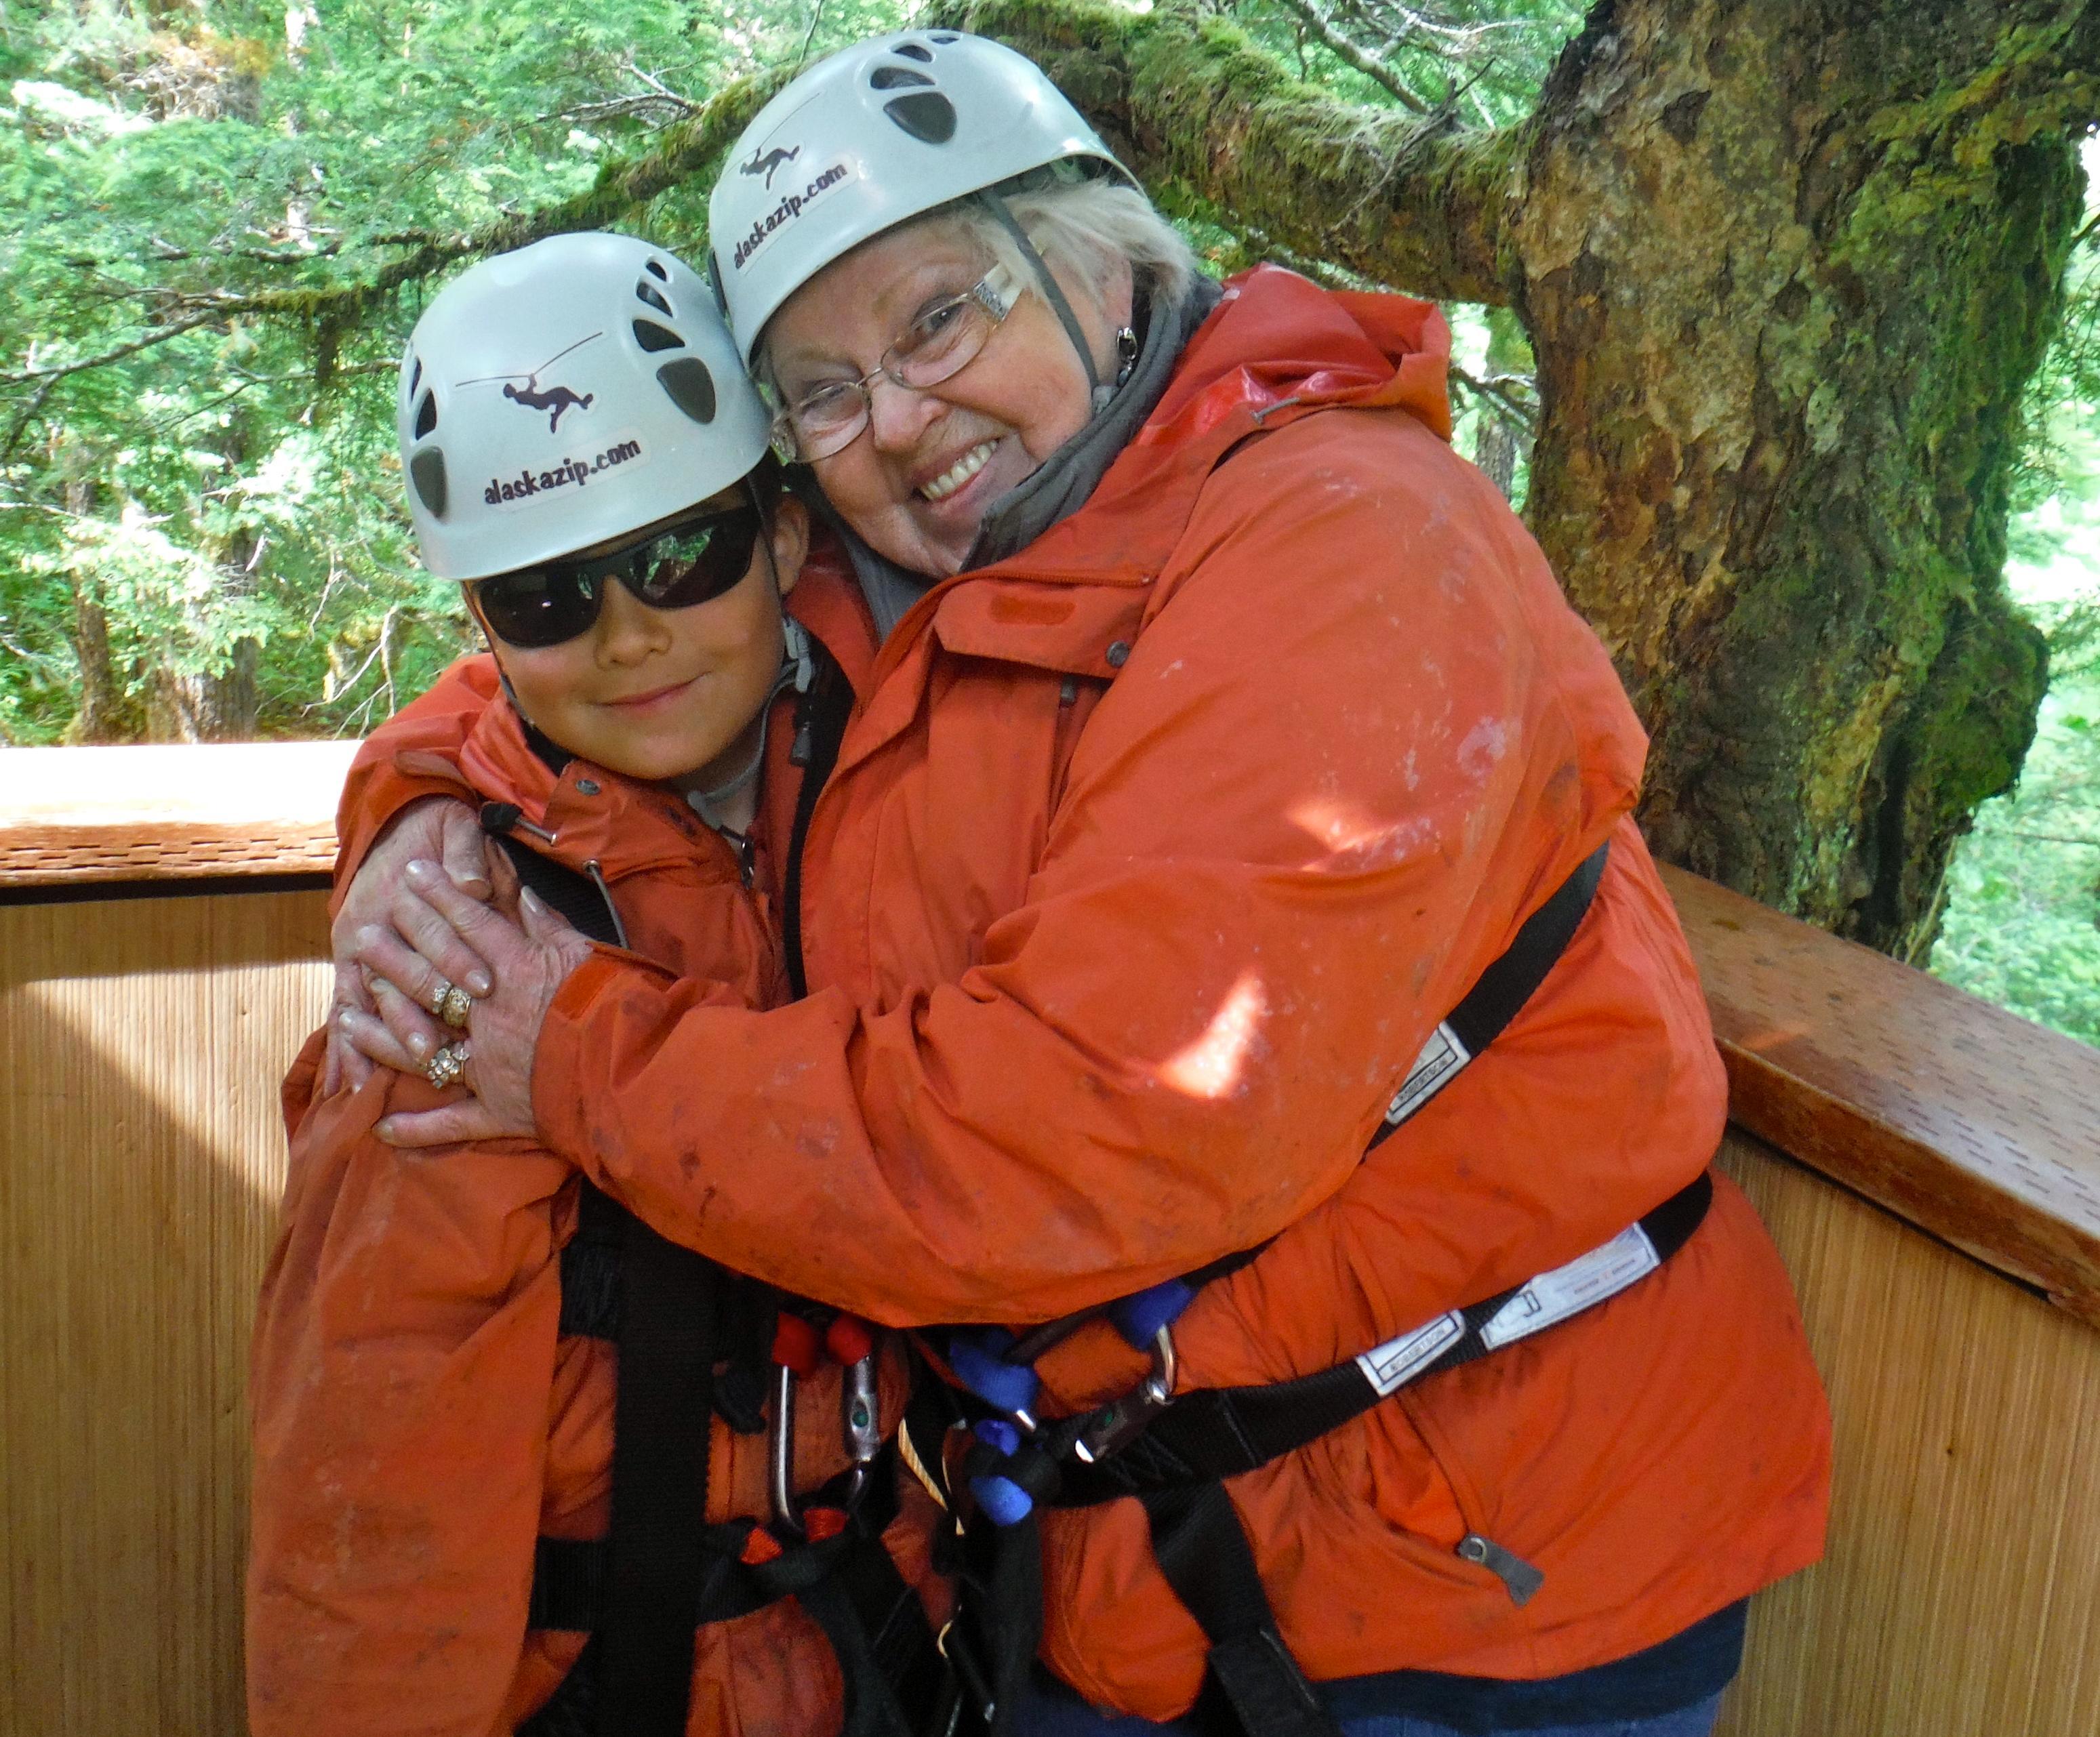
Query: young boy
pixel 442 1516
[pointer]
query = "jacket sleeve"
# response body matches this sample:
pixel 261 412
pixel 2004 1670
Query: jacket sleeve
pixel 405 1348
pixel 427 733
pixel 1360 738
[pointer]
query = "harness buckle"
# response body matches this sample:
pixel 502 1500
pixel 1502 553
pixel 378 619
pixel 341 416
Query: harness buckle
pixel 1121 1421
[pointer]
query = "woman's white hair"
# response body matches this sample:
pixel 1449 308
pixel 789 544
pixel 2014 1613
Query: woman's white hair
pixel 1089 225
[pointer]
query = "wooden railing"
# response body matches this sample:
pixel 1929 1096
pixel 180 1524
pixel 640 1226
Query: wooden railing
pixel 1929 1166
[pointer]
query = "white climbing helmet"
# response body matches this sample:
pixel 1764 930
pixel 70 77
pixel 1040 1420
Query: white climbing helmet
pixel 882 131
pixel 565 393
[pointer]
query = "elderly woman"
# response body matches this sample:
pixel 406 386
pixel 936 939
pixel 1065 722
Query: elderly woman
pixel 1238 1001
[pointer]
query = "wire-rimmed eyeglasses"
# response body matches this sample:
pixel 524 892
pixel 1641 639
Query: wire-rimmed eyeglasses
pixel 938 345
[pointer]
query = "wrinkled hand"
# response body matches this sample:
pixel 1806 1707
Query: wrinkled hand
pixel 529 964
pixel 433 828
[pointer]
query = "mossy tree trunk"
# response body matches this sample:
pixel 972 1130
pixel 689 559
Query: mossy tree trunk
pixel 1786 265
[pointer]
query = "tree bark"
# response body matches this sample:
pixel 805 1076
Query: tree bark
pixel 100 716
pixel 1786 265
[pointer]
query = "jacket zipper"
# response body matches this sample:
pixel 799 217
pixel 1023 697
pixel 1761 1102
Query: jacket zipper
pixel 604 893
pixel 1518 1576
pixel 822 711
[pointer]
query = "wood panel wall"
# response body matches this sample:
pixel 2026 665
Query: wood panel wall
pixel 141 1160
pixel 1961 1594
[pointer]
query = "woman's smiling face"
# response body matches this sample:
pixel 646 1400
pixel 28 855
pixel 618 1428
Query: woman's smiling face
pixel 916 483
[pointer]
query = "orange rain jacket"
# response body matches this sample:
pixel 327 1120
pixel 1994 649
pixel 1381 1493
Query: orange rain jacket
pixel 1152 855
pixel 418 1423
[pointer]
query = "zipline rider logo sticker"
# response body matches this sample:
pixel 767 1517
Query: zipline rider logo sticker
pixel 791 205
pixel 573 471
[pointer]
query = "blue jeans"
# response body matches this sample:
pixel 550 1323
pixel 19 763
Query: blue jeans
pixel 1049 1713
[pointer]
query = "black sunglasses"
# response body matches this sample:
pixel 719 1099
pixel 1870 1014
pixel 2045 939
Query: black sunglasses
pixel 677 567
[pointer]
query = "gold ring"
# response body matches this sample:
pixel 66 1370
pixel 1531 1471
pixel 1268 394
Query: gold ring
pixel 454 1006
pixel 438 991
pixel 445 1068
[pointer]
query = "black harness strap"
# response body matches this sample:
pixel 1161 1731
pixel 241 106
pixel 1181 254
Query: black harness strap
pixel 820 726
pixel 642 1592
pixel 661 1412
pixel 1221 1432
pixel 847 1583
pixel 1499 993
pixel 1203 1551
pixel 1173 1457
pixel 658 1300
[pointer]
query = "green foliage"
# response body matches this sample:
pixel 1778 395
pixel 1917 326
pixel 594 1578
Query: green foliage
pixel 2022 925
pixel 206 535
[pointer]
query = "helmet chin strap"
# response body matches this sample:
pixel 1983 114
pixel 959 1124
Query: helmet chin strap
pixel 1099 391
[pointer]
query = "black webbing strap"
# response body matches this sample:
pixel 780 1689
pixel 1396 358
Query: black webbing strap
pixel 658 1301
pixel 848 1583
pixel 590 1267
pixel 814 1576
pixel 1203 1551
pixel 1507 984
pixel 1176 1466
pixel 568 1584
pixel 1499 995
pixel 1221 1432
pixel 662 1410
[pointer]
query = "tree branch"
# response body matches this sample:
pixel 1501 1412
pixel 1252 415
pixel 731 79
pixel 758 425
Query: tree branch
pixel 1409 202
pixel 687 149
pixel 1347 52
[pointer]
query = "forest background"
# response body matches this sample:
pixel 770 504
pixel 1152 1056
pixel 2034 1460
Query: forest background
pixel 224 215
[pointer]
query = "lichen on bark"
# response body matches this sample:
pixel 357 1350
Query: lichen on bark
pixel 1787 268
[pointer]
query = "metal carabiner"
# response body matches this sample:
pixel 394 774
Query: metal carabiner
pixel 1121 1421
pixel 780 1453
pixel 860 1420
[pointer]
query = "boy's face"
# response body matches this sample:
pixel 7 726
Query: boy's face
pixel 667 693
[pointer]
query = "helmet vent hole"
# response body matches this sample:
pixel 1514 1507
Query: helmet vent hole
pixel 918 51
pixel 426 470
pixel 655 268
pixel 650 294
pixel 689 385
pixel 893 78
pixel 415 375
pixel 925 114
pixel 427 414
pixel 653 337
pixel 943 37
